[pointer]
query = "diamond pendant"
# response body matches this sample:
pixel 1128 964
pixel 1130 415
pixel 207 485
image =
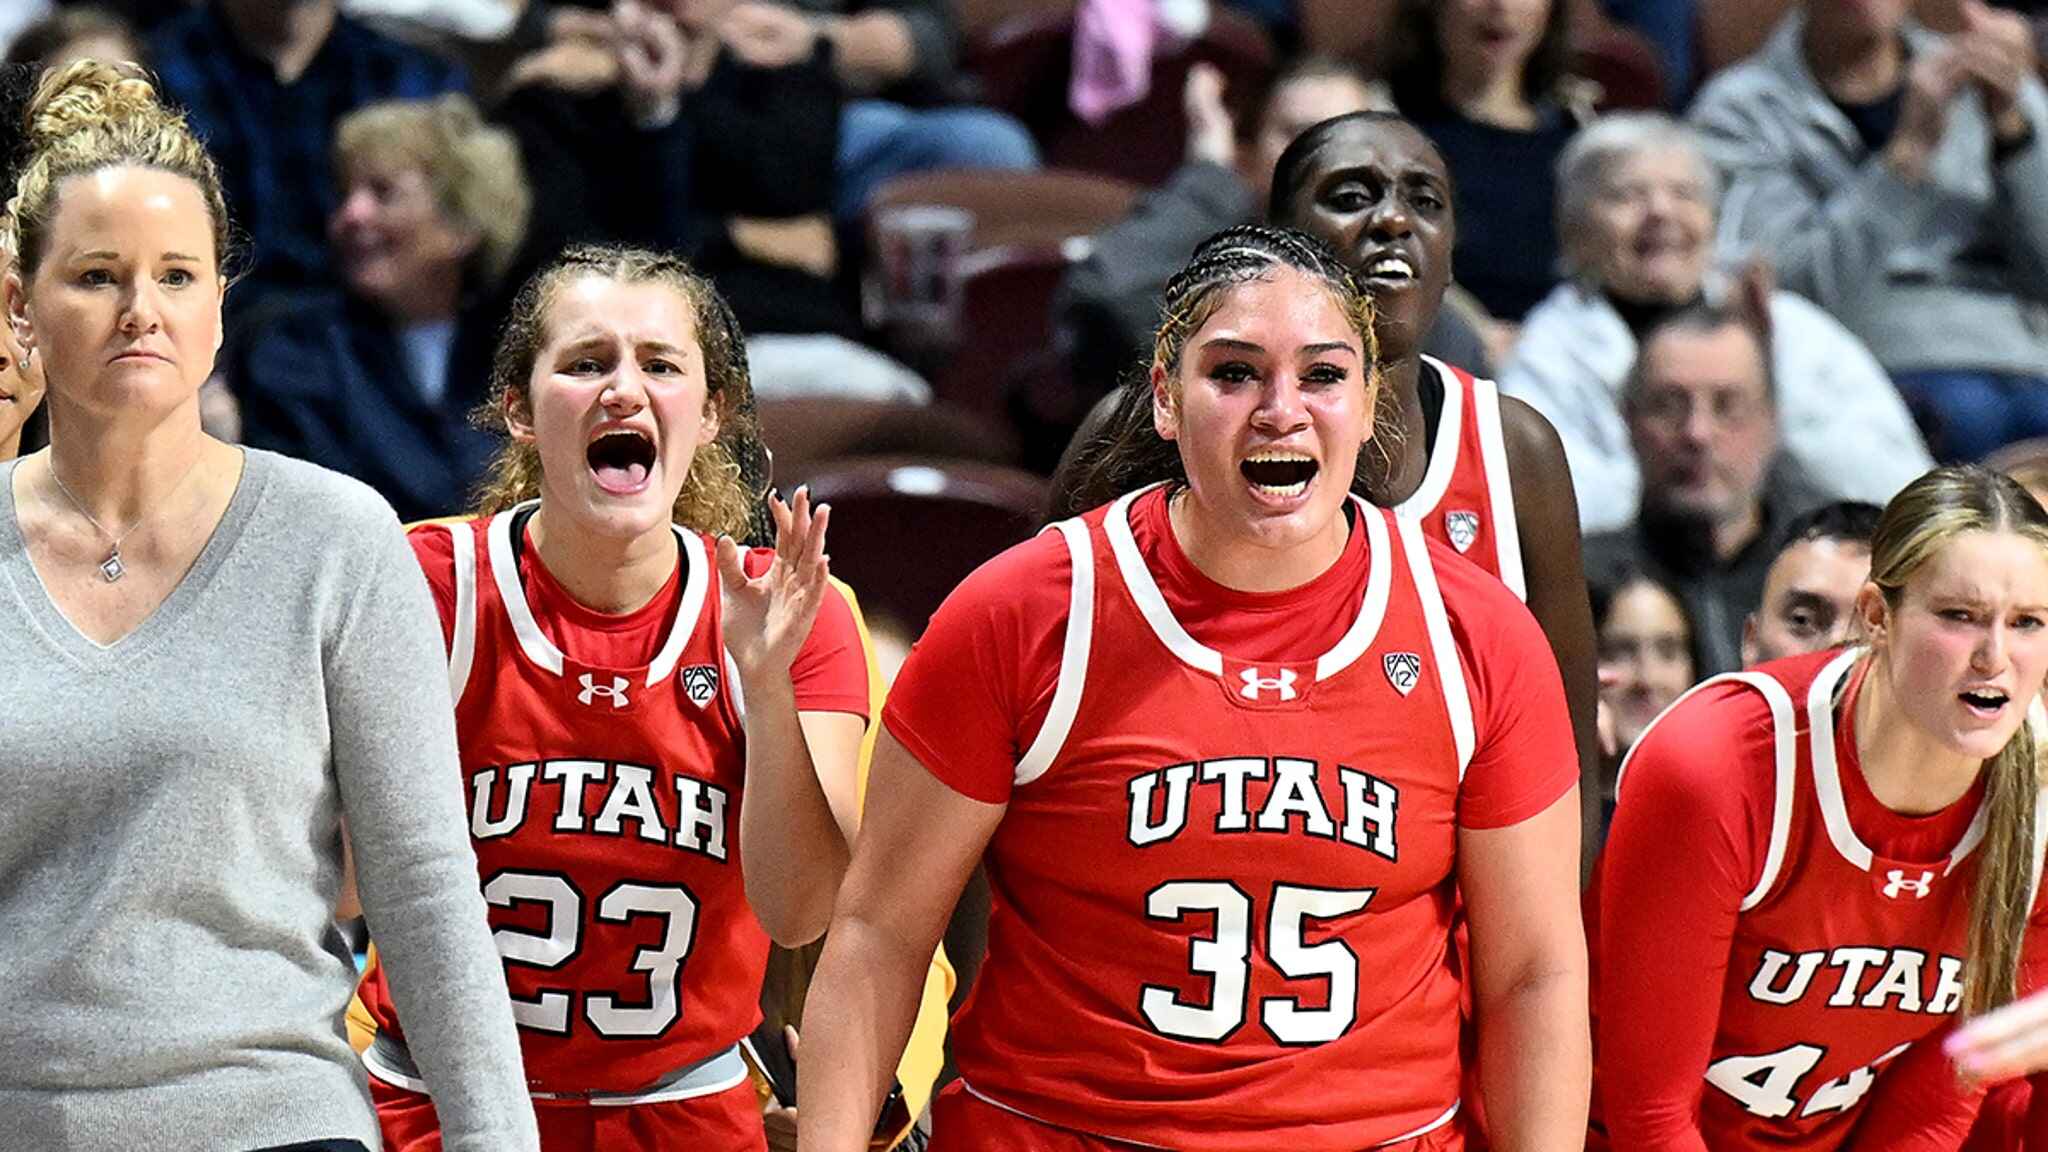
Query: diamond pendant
pixel 111 568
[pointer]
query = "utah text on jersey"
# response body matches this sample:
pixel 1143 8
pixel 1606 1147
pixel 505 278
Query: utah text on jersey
pixel 1159 801
pixel 628 796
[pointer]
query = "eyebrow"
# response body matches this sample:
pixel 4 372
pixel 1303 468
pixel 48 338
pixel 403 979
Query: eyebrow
pixel 587 338
pixel 1805 598
pixel 1410 175
pixel 1321 349
pixel 105 254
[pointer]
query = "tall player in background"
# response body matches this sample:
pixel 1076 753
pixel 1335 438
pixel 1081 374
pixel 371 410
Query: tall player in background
pixel 1818 864
pixel 1483 473
pixel 1224 744
pixel 658 746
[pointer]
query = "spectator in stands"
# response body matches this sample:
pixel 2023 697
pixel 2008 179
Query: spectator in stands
pixel 1485 79
pixel 598 113
pixel 67 34
pixel 769 133
pixel 264 83
pixel 1715 487
pixel 1108 303
pixel 1646 654
pixel 377 381
pixel 1898 179
pixel 662 136
pixel 1636 202
pixel 897 62
pixel 1822 562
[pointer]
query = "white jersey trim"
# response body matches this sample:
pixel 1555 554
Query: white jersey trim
pixel 732 682
pixel 462 638
pixel 542 651
pixel 1066 695
pixel 1493 453
pixel 1432 1126
pixel 1443 462
pixel 992 1102
pixel 688 1089
pixel 1784 763
pixel 1450 671
pixel 985 1098
pixel 1365 626
pixel 1151 605
pixel 696 585
pixel 1379 588
pixel 1827 775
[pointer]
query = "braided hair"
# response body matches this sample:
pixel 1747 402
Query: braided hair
pixel 1127 452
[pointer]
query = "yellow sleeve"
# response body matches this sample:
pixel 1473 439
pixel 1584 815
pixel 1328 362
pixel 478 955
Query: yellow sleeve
pixel 925 1055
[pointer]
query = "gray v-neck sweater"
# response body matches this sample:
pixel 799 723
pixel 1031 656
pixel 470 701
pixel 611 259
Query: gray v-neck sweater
pixel 170 844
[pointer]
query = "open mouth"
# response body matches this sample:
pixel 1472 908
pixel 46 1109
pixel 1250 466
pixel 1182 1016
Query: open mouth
pixel 1984 702
pixel 1279 474
pixel 1389 270
pixel 620 459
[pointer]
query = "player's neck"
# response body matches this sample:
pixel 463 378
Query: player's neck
pixel 1245 565
pixel 603 573
pixel 1908 770
pixel 1397 466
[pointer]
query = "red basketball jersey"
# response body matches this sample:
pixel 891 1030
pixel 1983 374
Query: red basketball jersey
pixel 1221 892
pixel 1465 499
pixel 604 809
pixel 1841 958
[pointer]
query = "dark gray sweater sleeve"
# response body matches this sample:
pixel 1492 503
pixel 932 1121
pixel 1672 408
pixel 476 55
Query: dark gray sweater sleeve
pixel 401 789
pixel 1108 304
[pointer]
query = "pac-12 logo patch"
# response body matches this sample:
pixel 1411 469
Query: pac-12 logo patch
pixel 700 683
pixel 1403 670
pixel 1463 528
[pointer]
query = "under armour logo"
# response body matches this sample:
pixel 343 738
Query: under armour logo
pixel 1895 882
pixel 700 683
pixel 1404 669
pixel 1462 528
pixel 1255 684
pixel 616 690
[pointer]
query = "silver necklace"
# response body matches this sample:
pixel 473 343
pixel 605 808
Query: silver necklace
pixel 111 569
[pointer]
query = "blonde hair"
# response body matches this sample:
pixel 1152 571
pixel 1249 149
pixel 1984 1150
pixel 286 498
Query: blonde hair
pixel 716 497
pixel 474 169
pixel 1922 519
pixel 90 115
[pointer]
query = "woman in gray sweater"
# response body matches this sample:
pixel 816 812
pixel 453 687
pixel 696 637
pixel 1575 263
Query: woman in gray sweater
pixel 210 657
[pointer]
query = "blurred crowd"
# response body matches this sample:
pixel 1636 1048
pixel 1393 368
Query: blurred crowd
pixel 1759 264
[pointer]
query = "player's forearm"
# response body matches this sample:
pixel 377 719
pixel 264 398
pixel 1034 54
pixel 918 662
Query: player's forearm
pixel 796 855
pixel 857 1018
pixel 871 50
pixel 1536 1060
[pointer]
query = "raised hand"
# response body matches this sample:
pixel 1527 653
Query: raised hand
pixel 767 617
pixel 1997 50
pixel 653 62
pixel 1212 134
pixel 1932 81
pixel 768 35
